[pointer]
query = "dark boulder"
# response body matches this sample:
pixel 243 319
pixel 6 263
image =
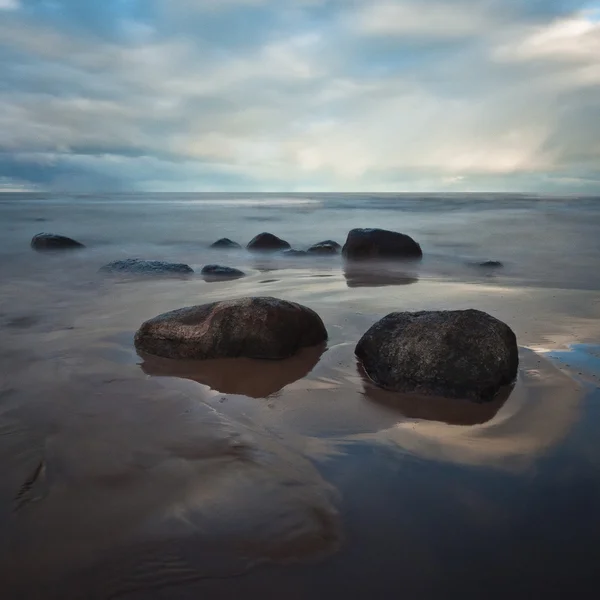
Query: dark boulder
pixel 267 242
pixel 295 253
pixel 213 272
pixel 50 241
pixel 257 327
pixel 225 244
pixel 379 243
pixel 462 354
pixel 325 248
pixel 137 266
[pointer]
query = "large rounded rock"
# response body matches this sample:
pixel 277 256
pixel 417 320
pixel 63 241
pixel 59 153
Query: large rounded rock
pixel 225 244
pixel 461 354
pixel 267 242
pixel 379 243
pixel 258 327
pixel 137 266
pixel 50 241
pixel 325 248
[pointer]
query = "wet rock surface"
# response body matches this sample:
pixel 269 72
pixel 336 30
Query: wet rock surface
pixel 137 266
pixel 216 272
pixel 225 244
pixel 364 244
pixel 256 327
pixel 325 248
pixel 267 242
pixel 50 241
pixel 461 354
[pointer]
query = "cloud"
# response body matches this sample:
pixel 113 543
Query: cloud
pixel 301 95
pixel 9 4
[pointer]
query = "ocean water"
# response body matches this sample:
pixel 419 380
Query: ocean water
pixel 127 477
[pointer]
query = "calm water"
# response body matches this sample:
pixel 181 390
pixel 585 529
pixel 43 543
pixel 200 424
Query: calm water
pixel 135 478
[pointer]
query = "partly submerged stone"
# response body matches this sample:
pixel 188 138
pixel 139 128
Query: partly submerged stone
pixel 325 248
pixel 225 244
pixel 137 266
pixel 51 241
pixel 212 272
pixel 462 353
pixel 255 327
pixel 295 253
pixel 267 242
pixel 490 264
pixel 380 244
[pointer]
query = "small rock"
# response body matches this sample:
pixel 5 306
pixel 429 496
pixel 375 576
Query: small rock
pixel 50 241
pixel 490 264
pixel 220 272
pixel 138 266
pixel 380 243
pixel 267 242
pixel 257 327
pixel 461 354
pixel 325 248
pixel 225 244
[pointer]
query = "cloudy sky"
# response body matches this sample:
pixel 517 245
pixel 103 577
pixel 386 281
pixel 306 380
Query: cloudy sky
pixel 300 95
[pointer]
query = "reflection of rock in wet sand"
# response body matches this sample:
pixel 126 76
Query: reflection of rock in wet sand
pixel 539 412
pixel 433 408
pixel 128 466
pixel 367 274
pixel 249 377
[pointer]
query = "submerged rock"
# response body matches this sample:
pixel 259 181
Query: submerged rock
pixel 461 354
pixel 225 244
pixel 256 327
pixel 380 243
pixel 295 253
pixel 51 241
pixel 219 272
pixel 138 266
pixel 326 247
pixel 267 242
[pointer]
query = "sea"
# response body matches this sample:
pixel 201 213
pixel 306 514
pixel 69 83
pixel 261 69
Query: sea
pixel 126 477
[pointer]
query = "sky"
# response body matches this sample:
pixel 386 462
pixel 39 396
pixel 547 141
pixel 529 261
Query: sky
pixel 300 95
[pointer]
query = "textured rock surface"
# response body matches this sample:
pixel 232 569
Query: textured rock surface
pixel 325 247
pixel 51 241
pixel 461 354
pixel 225 244
pixel 138 266
pixel 221 272
pixel 267 242
pixel 380 243
pixel 258 327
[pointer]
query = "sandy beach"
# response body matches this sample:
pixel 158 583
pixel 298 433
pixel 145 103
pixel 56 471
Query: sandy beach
pixel 128 476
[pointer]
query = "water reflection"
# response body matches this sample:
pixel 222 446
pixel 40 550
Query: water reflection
pixel 451 411
pixel 245 376
pixel 378 274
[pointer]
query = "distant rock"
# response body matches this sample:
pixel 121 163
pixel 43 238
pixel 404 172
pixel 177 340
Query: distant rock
pixel 226 244
pixel 295 253
pixel 267 242
pixel 379 243
pixel 50 241
pixel 137 266
pixel 214 272
pixel 490 264
pixel 325 248
pixel 256 327
pixel 460 354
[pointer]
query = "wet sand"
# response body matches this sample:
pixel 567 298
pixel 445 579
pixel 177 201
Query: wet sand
pixel 127 476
